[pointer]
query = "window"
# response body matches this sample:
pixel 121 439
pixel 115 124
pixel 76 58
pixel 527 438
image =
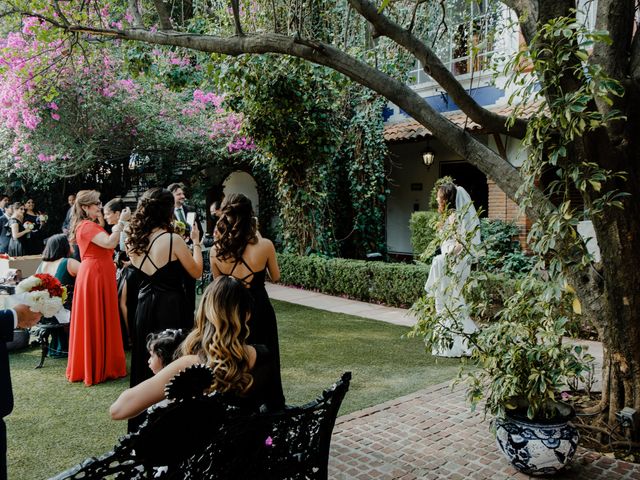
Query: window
pixel 464 41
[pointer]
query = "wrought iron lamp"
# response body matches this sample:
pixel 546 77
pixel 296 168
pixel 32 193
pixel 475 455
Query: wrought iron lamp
pixel 428 157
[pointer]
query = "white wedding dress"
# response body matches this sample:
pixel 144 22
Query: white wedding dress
pixel 450 271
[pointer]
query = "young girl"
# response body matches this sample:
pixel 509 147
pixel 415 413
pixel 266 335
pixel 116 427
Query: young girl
pixel 162 347
pixel 219 341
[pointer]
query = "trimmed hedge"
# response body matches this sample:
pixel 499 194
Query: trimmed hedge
pixel 395 284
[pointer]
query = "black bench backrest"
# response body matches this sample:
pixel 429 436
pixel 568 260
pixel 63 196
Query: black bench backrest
pixel 204 437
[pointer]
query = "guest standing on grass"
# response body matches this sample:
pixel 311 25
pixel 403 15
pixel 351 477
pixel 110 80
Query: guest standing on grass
pixel 35 242
pixel 19 316
pixel 162 260
pixel 241 252
pixel 126 275
pixel 5 228
pixel 95 341
pixel 19 234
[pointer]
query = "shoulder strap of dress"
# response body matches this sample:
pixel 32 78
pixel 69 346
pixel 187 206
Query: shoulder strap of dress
pixel 170 246
pixel 146 254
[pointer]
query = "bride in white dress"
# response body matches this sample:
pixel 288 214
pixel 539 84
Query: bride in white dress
pixel 450 270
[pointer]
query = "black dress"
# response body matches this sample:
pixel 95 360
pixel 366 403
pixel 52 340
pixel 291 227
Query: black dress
pixel 33 244
pixel 17 247
pixel 263 329
pixel 162 304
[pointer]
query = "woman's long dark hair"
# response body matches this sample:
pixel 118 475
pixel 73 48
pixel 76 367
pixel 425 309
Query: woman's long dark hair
pixel 236 227
pixel 57 247
pixel 448 192
pixel 155 210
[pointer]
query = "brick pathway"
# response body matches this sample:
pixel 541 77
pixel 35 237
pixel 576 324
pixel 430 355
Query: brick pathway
pixel 432 434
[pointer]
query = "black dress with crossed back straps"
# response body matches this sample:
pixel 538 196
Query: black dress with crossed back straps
pixel 263 330
pixel 162 304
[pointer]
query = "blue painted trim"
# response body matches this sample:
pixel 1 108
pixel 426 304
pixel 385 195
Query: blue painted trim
pixel 443 103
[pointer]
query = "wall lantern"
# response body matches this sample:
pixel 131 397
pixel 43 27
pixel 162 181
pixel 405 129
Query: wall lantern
pixel 428 157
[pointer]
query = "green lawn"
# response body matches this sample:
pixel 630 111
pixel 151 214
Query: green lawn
pixel 56 424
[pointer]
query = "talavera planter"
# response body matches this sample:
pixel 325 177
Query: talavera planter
pixel 537 448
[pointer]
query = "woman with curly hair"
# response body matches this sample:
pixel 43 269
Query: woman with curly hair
pixel 161 258
pixel 219 340
pixel 240 251
pixel 95 340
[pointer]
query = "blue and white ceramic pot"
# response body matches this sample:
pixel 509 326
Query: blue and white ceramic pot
pixel 537 448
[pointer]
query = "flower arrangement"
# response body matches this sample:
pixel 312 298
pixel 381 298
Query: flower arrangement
pixel 43 218
pixel 43 293
pixel 29 225
pixel 179 228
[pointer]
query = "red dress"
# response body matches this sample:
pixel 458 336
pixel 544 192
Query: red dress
pixel 96 353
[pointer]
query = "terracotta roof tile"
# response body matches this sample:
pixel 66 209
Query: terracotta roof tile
pixel 412 130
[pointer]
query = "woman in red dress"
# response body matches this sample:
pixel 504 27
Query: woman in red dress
pixel 95 340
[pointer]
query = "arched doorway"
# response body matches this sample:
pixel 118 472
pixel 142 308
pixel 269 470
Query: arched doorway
pixel 242 182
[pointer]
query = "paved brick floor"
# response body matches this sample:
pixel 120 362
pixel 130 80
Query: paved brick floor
pixel 432 434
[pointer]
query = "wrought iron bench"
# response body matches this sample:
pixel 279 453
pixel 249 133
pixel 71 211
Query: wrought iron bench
pixel 200 437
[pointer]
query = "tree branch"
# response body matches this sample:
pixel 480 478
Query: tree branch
pixel 135 12
pixel 461 142
pixel 163 14
pixel 440 73
pixel 527 11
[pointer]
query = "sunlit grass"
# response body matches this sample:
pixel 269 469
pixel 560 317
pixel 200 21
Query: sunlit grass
pixel 56 424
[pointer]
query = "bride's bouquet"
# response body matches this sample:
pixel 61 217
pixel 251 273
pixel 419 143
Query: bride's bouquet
pixel 43 293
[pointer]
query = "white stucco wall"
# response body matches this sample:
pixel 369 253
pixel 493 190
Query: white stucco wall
pixel 406 169
pixel 241 182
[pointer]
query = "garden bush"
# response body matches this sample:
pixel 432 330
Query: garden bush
pixel 394 284
pixel 501 249
pixel 423 232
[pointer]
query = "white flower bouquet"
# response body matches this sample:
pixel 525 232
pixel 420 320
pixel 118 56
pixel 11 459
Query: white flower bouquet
pixel 43 218
pixel 29 225
pixel 43 293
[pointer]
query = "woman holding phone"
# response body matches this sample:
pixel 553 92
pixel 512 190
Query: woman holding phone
pixel 162 259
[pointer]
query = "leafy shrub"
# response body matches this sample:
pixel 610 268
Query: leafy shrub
pixel 501 249
pixel 423 231
pixel 395 284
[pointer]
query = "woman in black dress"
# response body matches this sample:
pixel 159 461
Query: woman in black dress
pixel 240 251
pixel 19 234
pixel 161 257
pixel 35 242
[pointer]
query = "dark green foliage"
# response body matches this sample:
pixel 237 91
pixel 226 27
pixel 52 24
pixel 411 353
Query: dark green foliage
pixel 501 249
pixel 323 146
pixel 423 231
pixel 396 284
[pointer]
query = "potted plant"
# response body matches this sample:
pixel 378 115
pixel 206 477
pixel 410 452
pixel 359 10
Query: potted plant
pixel 520 365
pixel 524 366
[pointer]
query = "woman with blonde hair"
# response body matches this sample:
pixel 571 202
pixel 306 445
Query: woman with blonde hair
pixel 218 340
pixel 240 251
pixel 95 340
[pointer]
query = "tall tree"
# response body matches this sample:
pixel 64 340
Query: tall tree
pixel 597 141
